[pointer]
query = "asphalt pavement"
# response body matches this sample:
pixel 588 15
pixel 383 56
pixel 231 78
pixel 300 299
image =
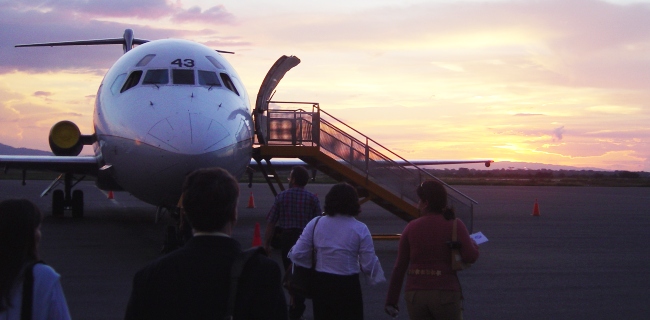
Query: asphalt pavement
pixel 585 257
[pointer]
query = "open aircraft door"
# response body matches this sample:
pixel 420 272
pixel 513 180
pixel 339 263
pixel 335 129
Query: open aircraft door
pixel 271 81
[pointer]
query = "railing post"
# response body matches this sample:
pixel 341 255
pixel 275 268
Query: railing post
pixel 367 155
pixel 268 126
pixel 293 129
pixel 315 127
pixel 299 127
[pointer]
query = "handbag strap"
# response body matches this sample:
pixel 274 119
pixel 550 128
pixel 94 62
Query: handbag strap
pixel 313 245
pixel 28 291
pixel 454 232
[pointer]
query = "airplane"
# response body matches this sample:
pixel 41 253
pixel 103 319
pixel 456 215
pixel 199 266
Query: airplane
pixel 165 108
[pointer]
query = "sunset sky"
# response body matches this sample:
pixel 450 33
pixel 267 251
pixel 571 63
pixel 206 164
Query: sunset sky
pixel 561 82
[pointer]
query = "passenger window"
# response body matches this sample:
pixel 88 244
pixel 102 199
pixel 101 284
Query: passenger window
pixel 156 76
pixel 117 84
pixel 132 81
pixel 209 78
pixel 228 83
pixel 181 76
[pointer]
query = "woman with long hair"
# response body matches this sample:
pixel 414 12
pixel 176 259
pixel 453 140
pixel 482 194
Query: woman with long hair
pixel 344 249
pixel 20 233
pixel 424 255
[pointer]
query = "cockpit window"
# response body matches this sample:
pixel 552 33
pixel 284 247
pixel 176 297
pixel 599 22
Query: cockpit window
pixel 228 83
pixel 156 76
pixel 132 81
pixel 182 76
pixel 209 78
pixel 117 84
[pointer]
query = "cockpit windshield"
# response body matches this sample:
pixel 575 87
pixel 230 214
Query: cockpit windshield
pixel 183 76
pixel 156 76
pixel 208 78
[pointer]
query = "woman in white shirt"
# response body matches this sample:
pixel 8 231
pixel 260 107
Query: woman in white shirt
pixel 344 248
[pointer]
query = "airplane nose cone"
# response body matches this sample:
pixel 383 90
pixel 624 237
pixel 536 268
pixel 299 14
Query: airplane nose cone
pixel 189 133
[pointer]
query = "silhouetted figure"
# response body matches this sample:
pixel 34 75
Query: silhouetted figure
pixel 193 282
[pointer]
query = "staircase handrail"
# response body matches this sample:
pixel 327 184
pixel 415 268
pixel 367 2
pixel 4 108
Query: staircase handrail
pixel 316 108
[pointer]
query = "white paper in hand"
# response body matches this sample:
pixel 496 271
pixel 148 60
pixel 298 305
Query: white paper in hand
pixel 478 237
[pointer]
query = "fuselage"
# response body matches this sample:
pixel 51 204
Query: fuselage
pixel 166 108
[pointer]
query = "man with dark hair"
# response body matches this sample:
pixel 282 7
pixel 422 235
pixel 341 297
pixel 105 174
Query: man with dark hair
pixel 193 282
pixel 292 210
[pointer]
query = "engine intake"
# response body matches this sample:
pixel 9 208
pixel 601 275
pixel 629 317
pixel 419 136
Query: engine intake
pixel 65 139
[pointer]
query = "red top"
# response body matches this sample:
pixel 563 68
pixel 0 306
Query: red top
pixel 423 246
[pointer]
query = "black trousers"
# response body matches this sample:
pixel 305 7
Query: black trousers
pixel 289 238
pixel 337 297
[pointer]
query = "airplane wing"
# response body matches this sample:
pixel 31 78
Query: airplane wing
pixel 81 165
pixel 286 164
pixel 441 162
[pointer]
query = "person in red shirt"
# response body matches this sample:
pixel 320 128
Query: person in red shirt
pixel 432 288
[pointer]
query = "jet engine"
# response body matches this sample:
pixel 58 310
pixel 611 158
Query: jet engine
pixel 65 139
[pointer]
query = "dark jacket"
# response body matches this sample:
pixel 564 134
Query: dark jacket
pixel 194 283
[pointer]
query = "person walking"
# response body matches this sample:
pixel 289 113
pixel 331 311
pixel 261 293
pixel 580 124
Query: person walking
pixel 291 211
pixel 424 255
pixel 344 249
pixel 193 282
pixel 29 289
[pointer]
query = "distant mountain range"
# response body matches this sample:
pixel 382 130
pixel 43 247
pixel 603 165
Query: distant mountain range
pixel 510 165
pixel 537 166
pixel 9 150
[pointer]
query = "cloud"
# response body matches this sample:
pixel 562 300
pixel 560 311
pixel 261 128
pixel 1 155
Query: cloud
pixel 558 133
pixel 68 20
pixel 150 9
pixel 215 15
pixel 572 42
pixel 610 109
pixel 42 94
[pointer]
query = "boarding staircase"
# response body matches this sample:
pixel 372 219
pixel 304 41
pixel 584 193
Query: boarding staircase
pixel 345 154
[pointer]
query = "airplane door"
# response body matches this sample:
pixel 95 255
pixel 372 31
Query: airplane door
pixel 271 81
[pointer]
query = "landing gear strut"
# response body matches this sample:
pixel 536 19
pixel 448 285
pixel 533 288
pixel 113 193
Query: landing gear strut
pixel 67 199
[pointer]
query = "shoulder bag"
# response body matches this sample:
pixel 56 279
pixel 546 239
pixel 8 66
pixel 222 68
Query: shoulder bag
pixel 299 280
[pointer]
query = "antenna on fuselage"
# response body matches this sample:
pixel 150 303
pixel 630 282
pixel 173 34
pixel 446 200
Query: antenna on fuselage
pixel 127 42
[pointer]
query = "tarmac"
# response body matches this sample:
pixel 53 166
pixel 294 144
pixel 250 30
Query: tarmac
pixel 586 256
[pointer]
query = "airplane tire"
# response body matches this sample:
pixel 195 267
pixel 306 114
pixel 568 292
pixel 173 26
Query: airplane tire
pixel 77 204
pixel 58 203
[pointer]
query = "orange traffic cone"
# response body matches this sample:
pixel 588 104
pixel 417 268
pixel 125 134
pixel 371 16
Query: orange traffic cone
pixel 536 209
pixel 257 238
pixel 251 201
pixel 110 195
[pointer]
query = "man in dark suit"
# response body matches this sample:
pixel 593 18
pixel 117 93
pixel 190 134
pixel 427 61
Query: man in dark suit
pixel 193 282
